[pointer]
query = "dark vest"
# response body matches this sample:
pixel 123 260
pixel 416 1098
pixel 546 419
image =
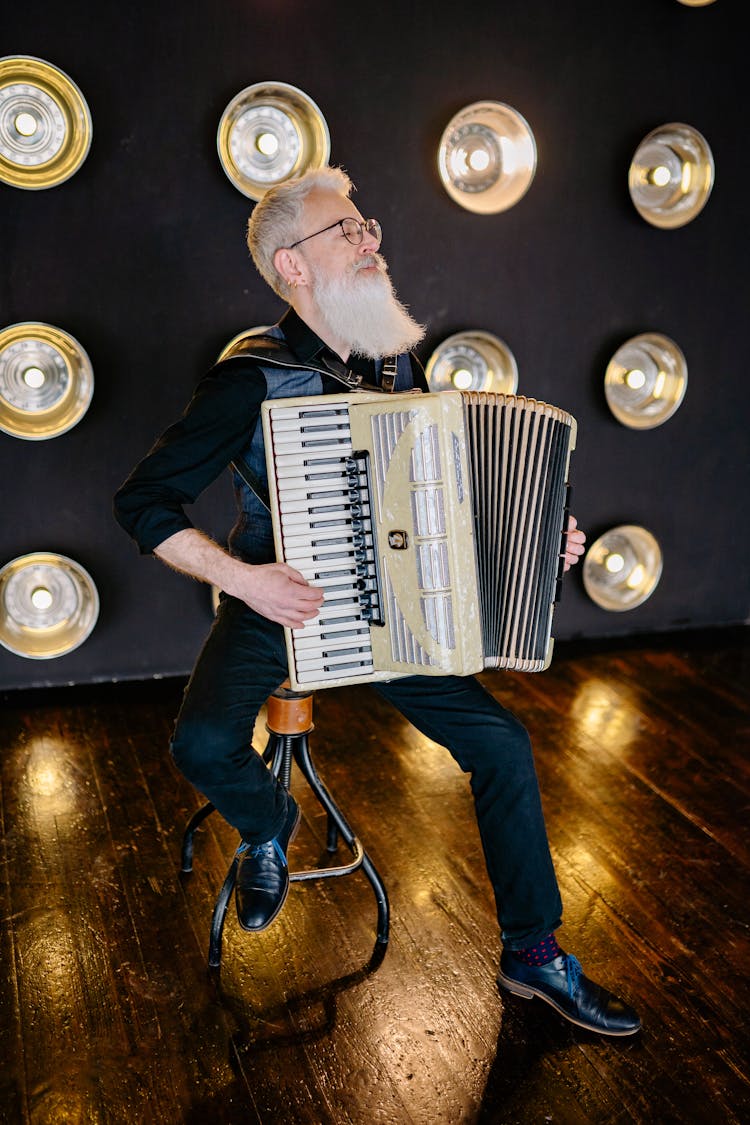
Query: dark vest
pixel 251 538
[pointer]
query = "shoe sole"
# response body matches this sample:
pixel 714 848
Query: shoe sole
pixel 528 992
pixel 277 911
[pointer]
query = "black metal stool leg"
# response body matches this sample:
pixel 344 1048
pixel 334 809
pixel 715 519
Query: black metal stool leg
pixel 332 835
pixel 220 913
pixel 336 818
pixel 187 840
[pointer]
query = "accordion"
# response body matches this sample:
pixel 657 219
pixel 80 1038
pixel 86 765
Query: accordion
pixel 435 524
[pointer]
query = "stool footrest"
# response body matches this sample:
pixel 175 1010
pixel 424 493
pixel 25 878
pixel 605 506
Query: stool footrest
pixel 331 872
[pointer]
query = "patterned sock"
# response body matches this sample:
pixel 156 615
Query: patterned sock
pixel 545 950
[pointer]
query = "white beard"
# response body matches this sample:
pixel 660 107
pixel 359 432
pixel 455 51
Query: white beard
pixel 363 312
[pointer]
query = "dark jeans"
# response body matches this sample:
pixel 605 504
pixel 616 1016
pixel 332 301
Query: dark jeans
pixel 244 660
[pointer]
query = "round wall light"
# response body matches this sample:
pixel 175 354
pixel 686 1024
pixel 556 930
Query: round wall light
pixel 622 568
pixel 46 381
pixel 48 605
pixel 645 381
pixel 696 3
pixel 671 175
pixel 472 361
pixel 269 133
pixel 45 123
pixel 487 157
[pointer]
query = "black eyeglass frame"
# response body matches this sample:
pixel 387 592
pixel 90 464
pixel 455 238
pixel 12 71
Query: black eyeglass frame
pixel 363 226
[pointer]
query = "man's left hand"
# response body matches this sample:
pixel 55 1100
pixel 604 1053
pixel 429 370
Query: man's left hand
pixel 574 544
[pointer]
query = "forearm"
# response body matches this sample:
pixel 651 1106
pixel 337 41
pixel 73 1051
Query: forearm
pixel 275 590
pixel 193 553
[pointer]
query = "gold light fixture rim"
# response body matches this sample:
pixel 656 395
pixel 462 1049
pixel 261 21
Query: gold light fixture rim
pixel 44 425
pixel 643 539
pixel 272 93
pixel 469 337
pixel 671 218
pixel 10 638
pixel 70 100
pixel 632 418
pixel 481 202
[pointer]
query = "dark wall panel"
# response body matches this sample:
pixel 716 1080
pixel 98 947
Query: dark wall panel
pixel 141 257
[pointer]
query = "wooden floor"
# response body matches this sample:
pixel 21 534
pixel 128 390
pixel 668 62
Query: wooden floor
pixel 109 1014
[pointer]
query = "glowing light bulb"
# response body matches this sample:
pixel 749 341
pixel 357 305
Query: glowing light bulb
pixel 462 379
pixel 635 379
pixel 25 124
pixel 659 176
pixel 267 143
pixel 479 159
pixel 614 563
pixel 41 598
pixel 33 377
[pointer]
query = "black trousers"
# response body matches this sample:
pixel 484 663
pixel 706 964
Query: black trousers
pixel 244 660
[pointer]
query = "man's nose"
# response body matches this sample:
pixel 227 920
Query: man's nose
pixel 369 243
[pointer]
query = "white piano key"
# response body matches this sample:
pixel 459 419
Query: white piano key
pixel 331 646
pixel 299 523
pixel 316 628
pixel 315 573
pixel 286 418
pixel 335 612
pixel 331 439
pixel 295 543
pixel 328 660
pixel 320 675
pixel 344 582
pixel 331 449
pixel 334 505
pixel 306 473
pixel 300 560
pixel 293 493
pixel 315 638
pixel 301 413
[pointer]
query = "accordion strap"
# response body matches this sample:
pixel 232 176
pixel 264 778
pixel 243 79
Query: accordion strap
pixel 388 375
pixel 253 482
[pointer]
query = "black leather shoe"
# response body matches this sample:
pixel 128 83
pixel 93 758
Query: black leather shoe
pixel 563 984
pixel 263 875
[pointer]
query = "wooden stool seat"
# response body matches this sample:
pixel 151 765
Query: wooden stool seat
pixel 289 723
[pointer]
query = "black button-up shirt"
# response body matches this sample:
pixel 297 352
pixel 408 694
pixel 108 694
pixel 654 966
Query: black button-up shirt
pixel 214 429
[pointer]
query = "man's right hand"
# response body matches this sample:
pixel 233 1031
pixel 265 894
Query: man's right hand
pixel 277 591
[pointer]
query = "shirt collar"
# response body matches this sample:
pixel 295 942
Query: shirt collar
pixel 300 337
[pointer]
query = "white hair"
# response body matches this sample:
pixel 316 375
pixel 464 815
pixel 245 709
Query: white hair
pixel 276 219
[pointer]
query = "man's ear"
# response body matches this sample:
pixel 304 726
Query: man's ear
pixel 289 267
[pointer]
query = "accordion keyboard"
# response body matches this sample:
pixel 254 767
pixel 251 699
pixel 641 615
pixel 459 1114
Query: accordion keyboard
pixel 323 504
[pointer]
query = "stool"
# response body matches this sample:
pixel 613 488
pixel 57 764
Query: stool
pixel 289 724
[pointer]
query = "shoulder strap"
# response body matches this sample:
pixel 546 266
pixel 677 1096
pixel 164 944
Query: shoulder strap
pixel 388 374
pixel 261 348
pixel 253 482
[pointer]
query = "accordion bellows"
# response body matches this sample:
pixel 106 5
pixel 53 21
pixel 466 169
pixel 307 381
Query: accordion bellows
pixel 434 522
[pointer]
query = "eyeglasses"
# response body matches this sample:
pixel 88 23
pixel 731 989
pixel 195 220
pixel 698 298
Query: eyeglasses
pixel 352 229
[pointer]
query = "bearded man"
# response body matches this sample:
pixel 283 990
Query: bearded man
pixel 344 329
